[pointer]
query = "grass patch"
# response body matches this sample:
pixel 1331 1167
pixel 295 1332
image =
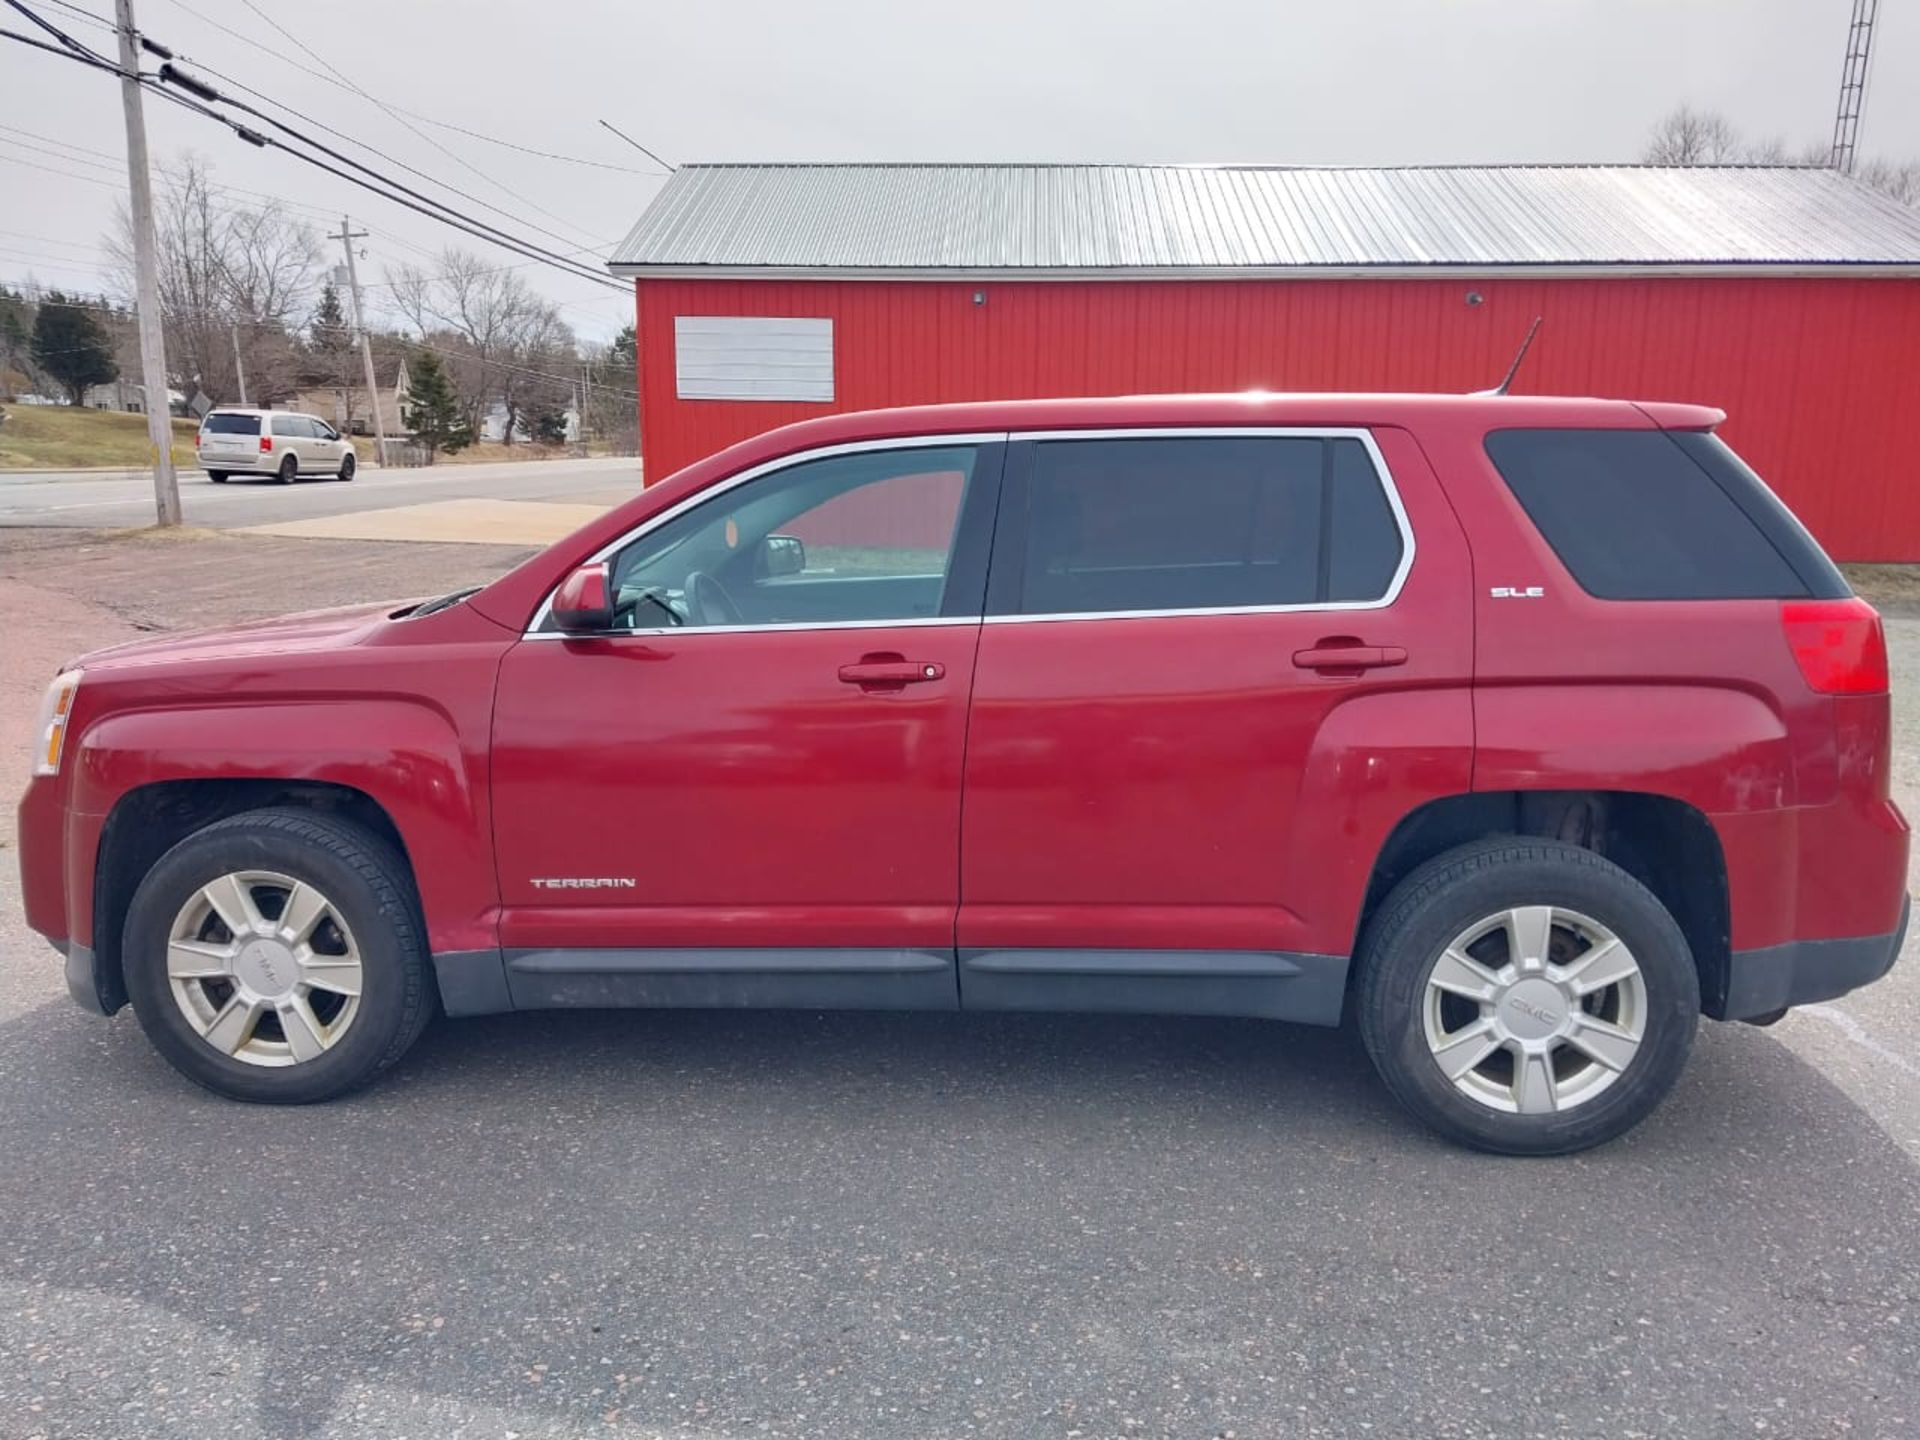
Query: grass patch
pixel 49 437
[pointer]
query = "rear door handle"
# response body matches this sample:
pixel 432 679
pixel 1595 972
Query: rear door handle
pixel 1338 657
pixel 890 672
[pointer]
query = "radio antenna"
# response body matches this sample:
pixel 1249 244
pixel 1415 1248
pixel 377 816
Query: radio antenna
pixel 1514 370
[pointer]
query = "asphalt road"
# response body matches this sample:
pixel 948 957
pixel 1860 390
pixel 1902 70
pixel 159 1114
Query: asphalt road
pixel 919 1227
pixel 95 501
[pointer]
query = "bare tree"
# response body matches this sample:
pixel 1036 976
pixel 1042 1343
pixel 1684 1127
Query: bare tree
pixel 1901 181
pixel 504 343
pixel 233 275
pixel 1687 136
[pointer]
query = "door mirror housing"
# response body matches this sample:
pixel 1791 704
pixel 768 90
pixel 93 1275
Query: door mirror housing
pixel 583 605
pixel 779 555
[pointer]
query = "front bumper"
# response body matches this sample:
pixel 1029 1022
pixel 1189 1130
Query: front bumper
pixel 1763 982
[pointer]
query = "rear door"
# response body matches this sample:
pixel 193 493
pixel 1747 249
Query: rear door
pixel 1217 667
pixel 230 439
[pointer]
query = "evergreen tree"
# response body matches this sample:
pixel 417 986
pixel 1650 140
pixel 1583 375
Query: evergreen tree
pixel 433 410
pixel 71 348
pixel 328 332
pixel 15 328
pixel 623 358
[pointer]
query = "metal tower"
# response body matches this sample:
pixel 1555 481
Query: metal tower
pixel 1853 84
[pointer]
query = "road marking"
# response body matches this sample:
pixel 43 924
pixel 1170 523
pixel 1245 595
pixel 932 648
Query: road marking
pixel 1857 1033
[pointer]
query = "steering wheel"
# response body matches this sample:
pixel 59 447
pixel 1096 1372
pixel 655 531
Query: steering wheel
pixel 708 602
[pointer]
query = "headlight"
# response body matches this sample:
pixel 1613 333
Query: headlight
pixel 52 728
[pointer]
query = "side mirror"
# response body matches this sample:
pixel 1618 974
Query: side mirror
pixel 780 555
pixel 583 605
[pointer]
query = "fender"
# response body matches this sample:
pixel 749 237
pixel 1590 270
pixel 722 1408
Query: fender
pixel 1722 750
pixel 406 755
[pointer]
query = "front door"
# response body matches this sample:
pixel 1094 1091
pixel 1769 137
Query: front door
pixel 749 791
pixel 1212 676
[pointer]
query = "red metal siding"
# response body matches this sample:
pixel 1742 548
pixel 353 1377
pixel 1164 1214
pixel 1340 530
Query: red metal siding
pixel 1819 376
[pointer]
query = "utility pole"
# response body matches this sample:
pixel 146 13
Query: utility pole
pixel 346 237
pixel 239 369
pixel 146 272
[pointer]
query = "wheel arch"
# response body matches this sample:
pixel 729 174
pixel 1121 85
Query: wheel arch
pixel 149 820
pixel 1670 846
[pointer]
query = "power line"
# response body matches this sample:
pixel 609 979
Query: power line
pixel 394 115
pixel 386 187
pixel 341 84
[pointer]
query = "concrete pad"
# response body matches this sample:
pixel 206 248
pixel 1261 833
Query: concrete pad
pixel 474 522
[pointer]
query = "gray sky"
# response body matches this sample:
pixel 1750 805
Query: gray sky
pixel 1364 82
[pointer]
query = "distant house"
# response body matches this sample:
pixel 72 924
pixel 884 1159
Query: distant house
pixel 345 406
pixel 493 425
pixel 125 394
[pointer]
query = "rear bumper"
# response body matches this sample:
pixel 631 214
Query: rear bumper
pixel 1800 972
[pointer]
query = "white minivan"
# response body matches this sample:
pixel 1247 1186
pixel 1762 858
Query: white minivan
pixel 283 443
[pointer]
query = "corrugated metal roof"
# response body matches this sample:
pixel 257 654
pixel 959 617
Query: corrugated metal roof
pixel 1167 219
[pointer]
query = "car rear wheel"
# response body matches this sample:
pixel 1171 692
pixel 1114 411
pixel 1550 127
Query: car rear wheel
pixel 289 470
pixel 347 467
pixel 1526 996
pixel 277 956
pixel 218 477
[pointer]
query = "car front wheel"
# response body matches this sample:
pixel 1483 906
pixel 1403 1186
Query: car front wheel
pixel 347 467
pixel 1527 996
pixel 276 956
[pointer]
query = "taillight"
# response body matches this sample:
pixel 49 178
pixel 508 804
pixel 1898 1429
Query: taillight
pixel 197 438
pixel 266 444
pixel 1838 644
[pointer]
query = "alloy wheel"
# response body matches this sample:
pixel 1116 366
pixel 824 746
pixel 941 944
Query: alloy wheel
pixel 264 968
pixel 1534 1010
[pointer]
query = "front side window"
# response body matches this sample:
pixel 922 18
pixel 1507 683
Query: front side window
pixel 1204 523
pixel 867 537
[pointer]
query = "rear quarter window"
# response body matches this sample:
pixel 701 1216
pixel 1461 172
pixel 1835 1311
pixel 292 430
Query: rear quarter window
pixel 217 424
pixel 1649 515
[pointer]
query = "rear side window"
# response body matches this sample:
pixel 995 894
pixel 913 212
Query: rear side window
pixel 218 424
pixel 1648 515
pixel 1204 523
pixel 293 427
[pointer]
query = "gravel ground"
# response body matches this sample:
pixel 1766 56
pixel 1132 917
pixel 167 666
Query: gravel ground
pixel 913 1227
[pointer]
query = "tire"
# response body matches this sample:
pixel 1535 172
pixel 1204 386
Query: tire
pixel 1575 1101
pixel 347 466
pixel 370 902
pixel 218 477
pixel 289 470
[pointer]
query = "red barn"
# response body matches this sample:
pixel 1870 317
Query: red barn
pixel 1790 297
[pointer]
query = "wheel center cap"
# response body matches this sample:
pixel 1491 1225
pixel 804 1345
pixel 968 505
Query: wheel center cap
pixel 267 968
pixel 1533 1009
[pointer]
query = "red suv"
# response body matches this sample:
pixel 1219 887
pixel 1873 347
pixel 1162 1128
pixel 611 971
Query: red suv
pixel 1523 730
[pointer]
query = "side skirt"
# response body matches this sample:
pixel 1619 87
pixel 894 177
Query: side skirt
pixel 1308 989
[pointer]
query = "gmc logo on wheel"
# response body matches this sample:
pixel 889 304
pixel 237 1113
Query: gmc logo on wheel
pixel 601 882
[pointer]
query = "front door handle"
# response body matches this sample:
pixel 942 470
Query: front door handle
pixel 890 672
pixel 1343 655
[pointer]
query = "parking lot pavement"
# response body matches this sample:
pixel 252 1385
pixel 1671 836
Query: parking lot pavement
pixel 916 1227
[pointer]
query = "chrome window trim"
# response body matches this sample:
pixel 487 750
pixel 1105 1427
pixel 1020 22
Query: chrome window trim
pixel 1383 473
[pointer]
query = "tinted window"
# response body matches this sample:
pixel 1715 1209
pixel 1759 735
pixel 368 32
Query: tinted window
pixel 1192 523
pixel 1634 517
pixel 850 537
pixel 218 424
pixel 293 426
